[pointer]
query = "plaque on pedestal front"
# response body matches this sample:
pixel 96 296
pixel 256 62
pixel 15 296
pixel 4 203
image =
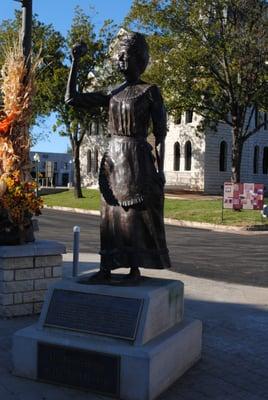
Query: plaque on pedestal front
pixel 94 313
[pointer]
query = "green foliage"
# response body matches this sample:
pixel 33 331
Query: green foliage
pixel 208 56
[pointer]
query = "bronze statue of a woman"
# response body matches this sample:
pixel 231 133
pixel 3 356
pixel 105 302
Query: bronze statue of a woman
pixel 131 180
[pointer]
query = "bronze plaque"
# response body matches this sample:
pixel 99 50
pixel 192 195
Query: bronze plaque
pixel 94 313
pixel 97 372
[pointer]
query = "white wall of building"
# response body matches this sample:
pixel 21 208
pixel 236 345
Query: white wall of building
pixel 91 151
pixel 181 133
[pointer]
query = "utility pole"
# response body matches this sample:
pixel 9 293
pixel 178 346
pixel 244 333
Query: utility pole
pixel 26 31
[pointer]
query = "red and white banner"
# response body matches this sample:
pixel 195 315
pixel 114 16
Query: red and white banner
pixel 247 196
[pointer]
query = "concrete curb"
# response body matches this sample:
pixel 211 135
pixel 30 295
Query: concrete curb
pixel 253 230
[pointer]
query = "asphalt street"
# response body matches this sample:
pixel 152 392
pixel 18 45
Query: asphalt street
pixel 227 257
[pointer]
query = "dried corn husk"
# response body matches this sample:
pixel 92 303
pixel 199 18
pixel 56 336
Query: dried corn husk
pixel 17 87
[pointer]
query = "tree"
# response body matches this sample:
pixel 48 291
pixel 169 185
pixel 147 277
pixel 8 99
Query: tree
pixel 50 46
pixel 75 123
pixel 212 56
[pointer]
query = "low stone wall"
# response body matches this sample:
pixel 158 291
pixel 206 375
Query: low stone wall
pixel 26 271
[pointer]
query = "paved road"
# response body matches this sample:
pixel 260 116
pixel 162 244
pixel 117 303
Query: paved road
pixel 229 257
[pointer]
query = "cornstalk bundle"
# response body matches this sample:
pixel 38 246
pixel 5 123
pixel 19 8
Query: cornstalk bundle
pixel 18 202
pixel 17 87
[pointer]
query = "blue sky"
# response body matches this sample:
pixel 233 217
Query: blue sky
pixel 60 13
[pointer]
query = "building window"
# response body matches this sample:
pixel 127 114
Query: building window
pixel 177 156
pixel 256 160
pixel 177 119
pixel 257 116
pixel 189 116
pixel 55 166
pixel 94 128
pixel 223 156
pixel 265 121
pixel 265 161
pixel 96 160
pixel 188 156
pixel 89 161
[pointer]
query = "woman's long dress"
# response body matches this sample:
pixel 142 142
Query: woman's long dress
pixel 132 227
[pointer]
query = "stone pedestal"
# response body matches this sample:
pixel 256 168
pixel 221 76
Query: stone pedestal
pixel 129 342
pixel 26 271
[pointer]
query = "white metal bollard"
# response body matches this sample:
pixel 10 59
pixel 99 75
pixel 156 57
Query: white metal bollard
pixel 264 212
pixel 76 231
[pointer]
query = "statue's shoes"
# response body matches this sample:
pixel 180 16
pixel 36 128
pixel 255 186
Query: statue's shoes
pixel 133 276
pixel 100 277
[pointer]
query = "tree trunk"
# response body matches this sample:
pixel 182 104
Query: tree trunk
pixel 77 175
pixel 237 148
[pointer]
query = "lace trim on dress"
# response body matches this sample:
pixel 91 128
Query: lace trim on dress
pixel 131 92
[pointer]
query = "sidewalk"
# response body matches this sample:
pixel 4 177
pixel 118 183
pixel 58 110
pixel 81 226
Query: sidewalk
pixel 235 349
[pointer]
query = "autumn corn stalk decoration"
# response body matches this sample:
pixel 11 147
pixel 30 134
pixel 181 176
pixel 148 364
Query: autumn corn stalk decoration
pixel 18 201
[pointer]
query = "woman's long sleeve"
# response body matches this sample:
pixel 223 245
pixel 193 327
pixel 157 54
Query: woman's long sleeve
pixel 83 100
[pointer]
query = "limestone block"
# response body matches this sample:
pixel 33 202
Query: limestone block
pixel 16 286
pixel 48 272
pixel 6 275
pixel 48 261
pixel 57 272
pixel 16 262
pixel 34 273
pixel 37 295
pixel 16 310
pixel 17 298
pixel 6 299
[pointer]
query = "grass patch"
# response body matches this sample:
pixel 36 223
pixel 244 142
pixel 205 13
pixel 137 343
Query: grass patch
pixel 209 211
pixel 90 201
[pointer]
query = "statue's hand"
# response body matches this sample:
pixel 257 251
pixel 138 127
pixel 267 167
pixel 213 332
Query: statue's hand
pixel 79 50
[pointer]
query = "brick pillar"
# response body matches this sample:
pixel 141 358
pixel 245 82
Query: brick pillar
pixel 26 271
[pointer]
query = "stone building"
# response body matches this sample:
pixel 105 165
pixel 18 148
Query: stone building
pixel 193 161
pixel 91 151
pixel 202 162
pixel 58 166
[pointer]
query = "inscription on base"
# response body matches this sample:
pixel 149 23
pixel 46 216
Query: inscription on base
pixel 97 372
pixel 94 313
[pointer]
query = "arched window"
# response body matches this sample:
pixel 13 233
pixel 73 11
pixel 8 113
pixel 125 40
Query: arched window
pixel 265 161
pixel 223 156
pixel 188 116
pixel 89 161
pixel 188 156
pixel 177 156
pixel 96 160
pixel 256 160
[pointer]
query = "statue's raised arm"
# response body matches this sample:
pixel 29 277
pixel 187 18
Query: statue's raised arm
pixel 74 98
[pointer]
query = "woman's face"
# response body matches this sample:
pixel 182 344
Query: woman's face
pixel 127 63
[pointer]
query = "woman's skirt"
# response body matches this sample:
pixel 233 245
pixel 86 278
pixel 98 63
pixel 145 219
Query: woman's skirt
pixel 132 226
